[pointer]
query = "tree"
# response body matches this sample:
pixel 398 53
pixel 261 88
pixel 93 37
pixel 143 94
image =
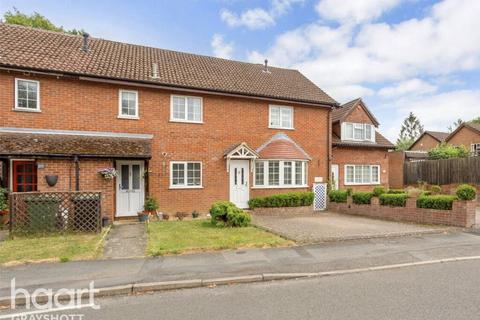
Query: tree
pixel 446 151
pixel 455 125
pixel 35 20
pixel 476 120
pixel 410 131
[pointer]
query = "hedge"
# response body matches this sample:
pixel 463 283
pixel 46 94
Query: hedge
pixel 290 199
pixel 338 195
pixel 377 191
pixel 225 213
pixel 393 200
pixel 442 202
pixel 362 197
pixel 395 191
pixel 466 192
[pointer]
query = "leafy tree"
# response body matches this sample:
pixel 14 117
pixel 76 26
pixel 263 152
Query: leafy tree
pixel 35 20
pixel 446 151
pixel 455 125
pixel 476 120
pixel 404 143
pixel 410 131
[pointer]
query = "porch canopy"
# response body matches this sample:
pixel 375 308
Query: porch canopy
pixel 40 144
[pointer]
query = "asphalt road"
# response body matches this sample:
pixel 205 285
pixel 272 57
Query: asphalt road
pixel 439 291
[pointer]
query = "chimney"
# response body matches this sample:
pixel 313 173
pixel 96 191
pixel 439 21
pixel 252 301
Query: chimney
pixel 85 47
pixel 265 67
pixel 155 71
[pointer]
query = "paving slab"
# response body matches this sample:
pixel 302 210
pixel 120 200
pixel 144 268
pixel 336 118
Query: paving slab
pixel 126 240
pixel 330 226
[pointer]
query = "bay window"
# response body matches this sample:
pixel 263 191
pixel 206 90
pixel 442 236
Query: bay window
pixel 280 174
pixel 362 174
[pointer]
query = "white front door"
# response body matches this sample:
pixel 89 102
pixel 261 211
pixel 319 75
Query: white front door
pixel 334 177
pixel 239 182
pixel 130 188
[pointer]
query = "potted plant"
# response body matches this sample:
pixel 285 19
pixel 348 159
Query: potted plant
pixel 108 173
pixel 150 208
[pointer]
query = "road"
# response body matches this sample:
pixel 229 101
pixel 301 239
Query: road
pixel 438 291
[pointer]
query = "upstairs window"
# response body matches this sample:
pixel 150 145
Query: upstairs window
pixel 358 131
pixel 27 95
pixel 186 109
pixel 280 117
pixel 128 104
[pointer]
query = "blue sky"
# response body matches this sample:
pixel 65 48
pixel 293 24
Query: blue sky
pixel 399 55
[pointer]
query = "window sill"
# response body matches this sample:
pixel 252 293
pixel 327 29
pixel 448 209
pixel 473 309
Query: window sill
pixel 184 187
pixel 185 121
pixel 128 117
pixel 281 187
pixel 280 128
pixel 26 110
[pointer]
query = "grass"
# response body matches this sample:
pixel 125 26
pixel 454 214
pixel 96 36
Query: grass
pixel 174 237
pixel 52 248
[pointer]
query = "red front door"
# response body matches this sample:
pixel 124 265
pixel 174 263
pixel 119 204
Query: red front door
pixel 24 176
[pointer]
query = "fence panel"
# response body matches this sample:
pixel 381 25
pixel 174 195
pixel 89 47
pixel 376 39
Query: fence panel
pixel 32 212
pixel 444 171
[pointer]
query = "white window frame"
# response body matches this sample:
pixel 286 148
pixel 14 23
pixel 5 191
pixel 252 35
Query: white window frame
pixel 371 183
pixel 185 120
pixel 281 184
pixel 475 148
pixel 357 125
pixel 125 116
pixel 185 186
pixel 16 107
pixel 292 112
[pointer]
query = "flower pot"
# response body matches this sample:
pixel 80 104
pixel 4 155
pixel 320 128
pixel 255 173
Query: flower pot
pixel 51 180
pixel 143 217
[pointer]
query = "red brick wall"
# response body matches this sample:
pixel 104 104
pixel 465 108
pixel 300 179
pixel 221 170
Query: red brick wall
pixel 343 156
pixel 425 143
pixel 82 105
pixel 461 215
pixel 465 136
pixel 396 159
pixel 358 116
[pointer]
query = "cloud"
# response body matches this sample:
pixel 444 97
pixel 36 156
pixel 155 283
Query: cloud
pixel 414 86
pixel 258 18
pixel 354 11
pixel 221 48
pixel 347 93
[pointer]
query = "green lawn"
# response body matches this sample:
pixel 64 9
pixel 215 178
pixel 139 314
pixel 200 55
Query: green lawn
pixel 23 249
pixel 173 237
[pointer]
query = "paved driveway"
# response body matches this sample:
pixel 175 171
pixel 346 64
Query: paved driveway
pixel 330 226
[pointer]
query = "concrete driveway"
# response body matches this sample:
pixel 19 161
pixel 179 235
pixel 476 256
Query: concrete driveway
pixel 330 226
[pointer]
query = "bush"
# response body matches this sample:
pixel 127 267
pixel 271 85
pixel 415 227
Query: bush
pixel 3 199
pixel 362 197
pixel 377 191
pixel 446 151
pixel 393 200
pixel 151 204
pixel 225 213
pixel 338 196
pixel 466 192
pixel 435 189
pixel 395 191
pixel 442 202
pixel 291 199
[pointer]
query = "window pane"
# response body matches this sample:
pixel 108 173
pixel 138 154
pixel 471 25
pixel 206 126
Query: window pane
pixel 129 103
pixel 32 104
pixel 304 173
pixel 259 178
pixel 27 94
pixel 179 108
pixel 22 85
pixel 274 116
pixel 125 177
pixel 178 174
pixel 366 174
pixel 358 132
pixel 349 131
pixel 193 174
pixel 375 174
pixel 298 173
pixel 194 109
pixel 349 173
pixel 358 174
pixel 286 116
pixel 273 173
pixel 368 132
pixel 136 177
pixel 287 172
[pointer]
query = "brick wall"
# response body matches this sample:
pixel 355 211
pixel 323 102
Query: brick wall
pixel 358 116
pixel 396 159
pixel 461 215
pixel 82 105
pixel 465 136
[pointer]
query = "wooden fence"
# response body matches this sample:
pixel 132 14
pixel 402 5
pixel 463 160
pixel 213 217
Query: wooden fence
pixel 445 171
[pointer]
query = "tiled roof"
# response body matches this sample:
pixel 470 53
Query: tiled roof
pixel 380 142
pixel 28 48
pixel 439 136
pixel 281 146
pixel 341 112
pixel 472 125
pixel 27 144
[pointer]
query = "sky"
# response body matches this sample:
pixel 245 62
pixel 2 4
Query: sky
pixel 397 55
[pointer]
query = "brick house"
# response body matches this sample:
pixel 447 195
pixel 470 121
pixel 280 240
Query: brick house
pixel 468 135
pixel 359 152
pixel 183 128
pixel 428 140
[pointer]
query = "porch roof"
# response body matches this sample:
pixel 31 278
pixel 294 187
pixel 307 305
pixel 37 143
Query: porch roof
pixel 65 145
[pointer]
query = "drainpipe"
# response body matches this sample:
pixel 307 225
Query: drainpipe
pixel 329 141
pixel 77 173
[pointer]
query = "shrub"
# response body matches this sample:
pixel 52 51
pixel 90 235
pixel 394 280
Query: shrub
pixel 225 213
pixel 393 200
pixel 435 189
pixel 466 192
pixel 395 191
pixel 416 192
pixel 362 197
pixel 338 196
pixel 3 199
pixel 151 204
pixel 442 202
pixel 446 151
pixel 291 199
pixel 377 191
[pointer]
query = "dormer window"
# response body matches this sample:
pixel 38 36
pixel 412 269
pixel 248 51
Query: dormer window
pixel 358 131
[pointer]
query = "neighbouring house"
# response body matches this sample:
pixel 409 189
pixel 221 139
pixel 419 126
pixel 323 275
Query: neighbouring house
pixel 184 128
pixel 468 135
pixel 428 140
pixel 359 152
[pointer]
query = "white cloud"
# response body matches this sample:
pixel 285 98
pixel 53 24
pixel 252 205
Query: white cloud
pixel 258 18
pixel 347 93
pixel 414 86
pixel 354 11
pixel 221 48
